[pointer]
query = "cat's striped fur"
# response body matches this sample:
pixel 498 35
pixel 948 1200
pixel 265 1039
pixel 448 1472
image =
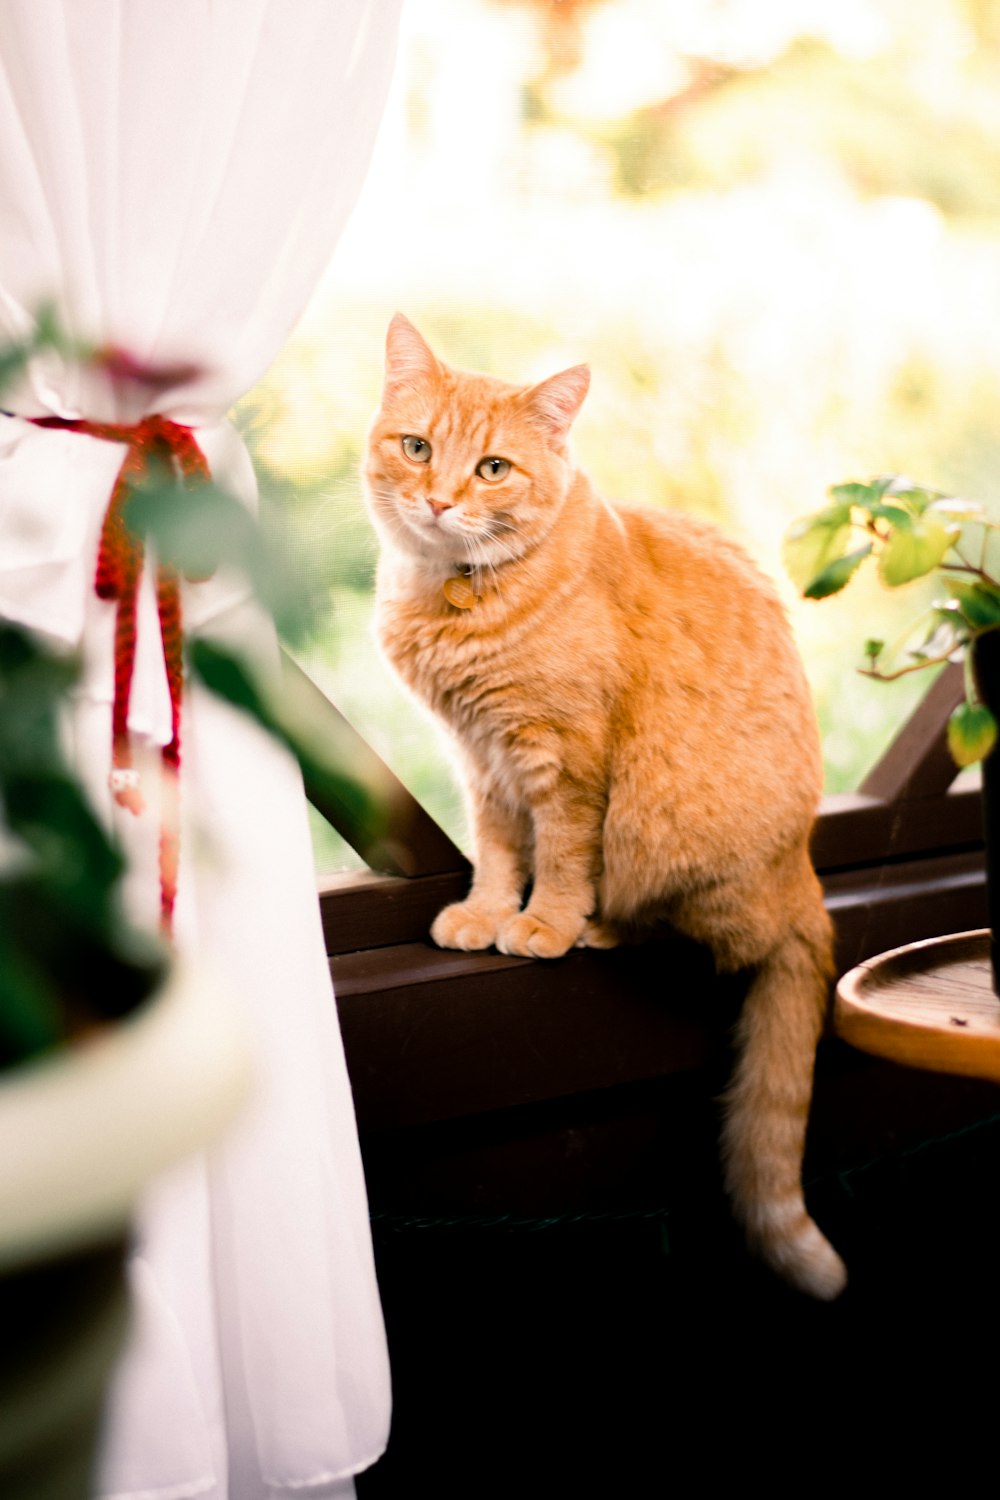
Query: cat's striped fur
pixel 636 731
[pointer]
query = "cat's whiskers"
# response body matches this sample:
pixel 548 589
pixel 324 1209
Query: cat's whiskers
pixel 489 534
pixel 496 550
pixel 334 515
pixel 478 561
pixel 479 546
pixel 612 512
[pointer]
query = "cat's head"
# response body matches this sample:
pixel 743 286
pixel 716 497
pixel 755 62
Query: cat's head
pixel 465 468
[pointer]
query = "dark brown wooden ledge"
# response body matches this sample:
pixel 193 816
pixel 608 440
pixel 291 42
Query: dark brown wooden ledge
pixel 432 1035
pixel 541 1157
pixel 448 1052
pixel 435 1036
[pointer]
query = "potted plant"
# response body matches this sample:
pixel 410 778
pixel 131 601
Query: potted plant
pixel 909 532
pixel 114 1062
pixel 116 1058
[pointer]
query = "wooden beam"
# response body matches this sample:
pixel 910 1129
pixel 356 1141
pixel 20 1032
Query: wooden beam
pixel 854 837
pixel 918 762
pixel 394 835
pixel 854 830
pixel 366 910
pixel 433 1035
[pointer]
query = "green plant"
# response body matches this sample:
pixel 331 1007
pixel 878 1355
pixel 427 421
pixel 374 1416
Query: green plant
pixel 910 532
pixel 69 959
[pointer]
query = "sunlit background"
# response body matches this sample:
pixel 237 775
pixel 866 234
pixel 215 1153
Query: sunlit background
pixel 772 228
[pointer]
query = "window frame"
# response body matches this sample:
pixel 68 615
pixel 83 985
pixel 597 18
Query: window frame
pixel 433 1036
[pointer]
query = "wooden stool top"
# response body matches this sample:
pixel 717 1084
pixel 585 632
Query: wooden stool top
pixel 930 1005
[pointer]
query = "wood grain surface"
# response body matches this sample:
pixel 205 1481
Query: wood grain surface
pixel 930 1005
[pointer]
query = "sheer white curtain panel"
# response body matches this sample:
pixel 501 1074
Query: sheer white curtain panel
pixel 174 175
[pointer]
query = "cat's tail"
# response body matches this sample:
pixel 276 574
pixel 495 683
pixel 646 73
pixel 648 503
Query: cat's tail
pixel 767 1106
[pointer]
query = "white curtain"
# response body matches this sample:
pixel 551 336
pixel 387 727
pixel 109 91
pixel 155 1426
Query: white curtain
pixel 173 178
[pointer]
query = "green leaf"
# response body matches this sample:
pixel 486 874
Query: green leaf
pixel 836 574
pixel 49 333
pixel 816 541
pixel 30 1018
pixel 873 650
pixel 854 493
pixel 277 711
pixel 196 530
pixel 53 818
pixel 916 497
pixel 34 682
pixel 978 602
pixel 230 679
pixel 896 515
pixel 96 967
pixel 201 530
pixel 13 359
pixel 46 335
pixel 972 733
pixel 913 553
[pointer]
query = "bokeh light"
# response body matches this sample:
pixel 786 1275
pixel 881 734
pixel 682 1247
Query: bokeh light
pixel 772 228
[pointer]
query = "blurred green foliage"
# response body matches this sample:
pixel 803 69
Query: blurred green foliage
pixel 69 959
pixel 857 114
pixel 783 267
pixel 912 533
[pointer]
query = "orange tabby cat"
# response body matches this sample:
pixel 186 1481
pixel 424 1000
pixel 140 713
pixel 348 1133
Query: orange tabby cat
pixel 636 730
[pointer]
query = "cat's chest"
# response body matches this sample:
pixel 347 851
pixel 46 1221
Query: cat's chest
pixel 466 674
pixel 492 689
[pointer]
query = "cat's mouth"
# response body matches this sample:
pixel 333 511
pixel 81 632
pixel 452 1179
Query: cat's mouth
pixel 445 534
pixel 444 523
pixel 429 535
pixel 436 531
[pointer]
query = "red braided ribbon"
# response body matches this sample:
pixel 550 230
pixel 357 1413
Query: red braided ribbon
pixel 153 442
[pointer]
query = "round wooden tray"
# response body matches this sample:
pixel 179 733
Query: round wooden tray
pixel 930 1005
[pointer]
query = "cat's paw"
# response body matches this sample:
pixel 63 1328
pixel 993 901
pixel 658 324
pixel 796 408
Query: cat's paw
pixel 528 936
pixel 465 925
pixel 598 934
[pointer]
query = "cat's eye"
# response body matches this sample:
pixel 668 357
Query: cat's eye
pixel 417 448
pixel 493 469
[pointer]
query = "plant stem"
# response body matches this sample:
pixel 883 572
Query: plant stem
pixel 965 567
pixel 918 666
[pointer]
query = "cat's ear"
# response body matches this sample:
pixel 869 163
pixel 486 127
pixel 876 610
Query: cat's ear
pixel 555 402
pixel 409 362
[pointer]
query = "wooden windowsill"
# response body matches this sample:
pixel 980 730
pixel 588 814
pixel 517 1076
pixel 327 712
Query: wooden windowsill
pixel 854 834
pixel 434 1038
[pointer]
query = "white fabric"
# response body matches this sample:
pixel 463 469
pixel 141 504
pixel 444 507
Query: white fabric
pixel 173 177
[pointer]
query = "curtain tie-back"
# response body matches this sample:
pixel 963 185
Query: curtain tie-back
pixel 153 442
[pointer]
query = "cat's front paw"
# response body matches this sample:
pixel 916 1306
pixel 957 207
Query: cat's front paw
pixel 529 936
pixel 598 934
pixel 465 925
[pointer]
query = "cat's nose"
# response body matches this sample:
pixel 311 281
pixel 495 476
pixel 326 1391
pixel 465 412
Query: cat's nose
pixel 438 506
